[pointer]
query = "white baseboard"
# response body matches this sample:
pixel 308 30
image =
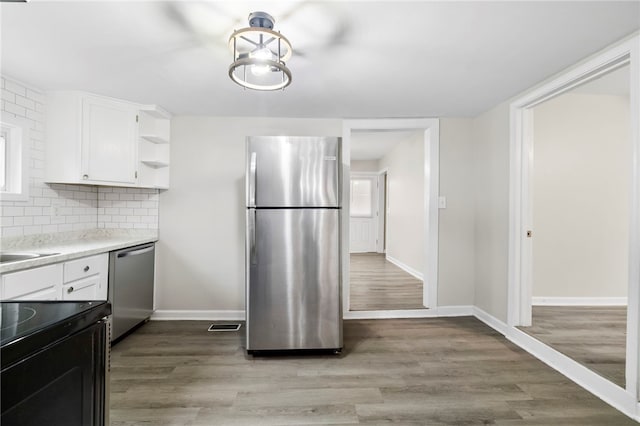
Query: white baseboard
pixel 610 393
pixel 213 315
pixel 406 268
pixel 490 320
pixel 579 301
pixel 444 311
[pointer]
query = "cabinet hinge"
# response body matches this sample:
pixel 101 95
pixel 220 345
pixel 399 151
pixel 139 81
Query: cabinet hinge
pixel 136 118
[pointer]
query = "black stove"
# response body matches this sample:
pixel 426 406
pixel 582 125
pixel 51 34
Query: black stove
pixel 54 363
pixel 25 326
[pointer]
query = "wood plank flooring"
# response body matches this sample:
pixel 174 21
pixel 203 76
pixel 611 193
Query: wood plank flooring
pixel 377 284
pixel 434 371
pixel 595 336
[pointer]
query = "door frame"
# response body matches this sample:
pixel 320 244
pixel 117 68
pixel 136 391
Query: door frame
pixel 431 128
pixel 382 211
pixel 373 176
pixel 520 197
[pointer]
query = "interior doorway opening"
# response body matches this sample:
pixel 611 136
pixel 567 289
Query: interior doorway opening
pixel 521 232
pixel 372 233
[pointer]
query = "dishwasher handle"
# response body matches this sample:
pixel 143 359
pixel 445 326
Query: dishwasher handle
pixel 136 252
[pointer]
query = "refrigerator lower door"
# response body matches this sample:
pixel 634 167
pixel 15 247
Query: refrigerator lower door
pixel 293 279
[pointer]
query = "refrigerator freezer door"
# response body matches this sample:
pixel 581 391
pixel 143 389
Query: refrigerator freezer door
pixel 293 287
pixel 293 171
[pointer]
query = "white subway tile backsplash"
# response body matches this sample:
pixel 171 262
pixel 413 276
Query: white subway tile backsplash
pixel 42 220
pixel 35 96
pixel 8 96
pixel 27 103
pixel 33 229
pixel 14 109
pixel 15 87
pixel 33 211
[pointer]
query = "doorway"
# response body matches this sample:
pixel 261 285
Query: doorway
pixel 522 233
pixel 580 184
pixel 386 277
pixel 426 236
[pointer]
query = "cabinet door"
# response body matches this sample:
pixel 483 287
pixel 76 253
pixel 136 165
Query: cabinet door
pixel 109 131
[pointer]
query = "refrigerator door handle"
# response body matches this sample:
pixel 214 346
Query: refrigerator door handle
pixel 252 180
pixel 253 258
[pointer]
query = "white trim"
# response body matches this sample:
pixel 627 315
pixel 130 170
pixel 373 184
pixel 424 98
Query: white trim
pixel 610 393
pixel 442 311
pixel 431 127
pixel 519 264
pixel 579 301
pixel 230 315
pixel 382 211
pixel 408 269
pixel 490 320
pixel 633 293
pixel 432 212
pixel 191 315
pixel 19 150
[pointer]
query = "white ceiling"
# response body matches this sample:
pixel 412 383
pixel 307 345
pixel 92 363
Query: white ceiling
pixel 354 59
pixel 373 145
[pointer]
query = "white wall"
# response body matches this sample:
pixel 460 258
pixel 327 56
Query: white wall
pixel 405 202
pixel 581 186
pixel 456 251
pixel 365 166
pixel 491 187
pixel 201 249
pixel 53 208
pixel 202 217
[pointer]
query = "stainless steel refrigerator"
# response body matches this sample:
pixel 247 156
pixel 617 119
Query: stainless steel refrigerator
pixel 293 274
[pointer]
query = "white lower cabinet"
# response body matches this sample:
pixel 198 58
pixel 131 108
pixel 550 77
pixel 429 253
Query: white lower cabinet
pixel 41 283
pixel 81 279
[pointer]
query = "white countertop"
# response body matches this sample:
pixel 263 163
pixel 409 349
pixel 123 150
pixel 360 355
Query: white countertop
pixel 71 245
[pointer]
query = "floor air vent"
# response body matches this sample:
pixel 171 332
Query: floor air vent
pixel 224 327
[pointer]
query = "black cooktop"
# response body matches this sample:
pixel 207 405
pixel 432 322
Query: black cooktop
pixel 26 326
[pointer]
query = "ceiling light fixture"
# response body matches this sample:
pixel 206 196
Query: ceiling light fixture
pixel 260 55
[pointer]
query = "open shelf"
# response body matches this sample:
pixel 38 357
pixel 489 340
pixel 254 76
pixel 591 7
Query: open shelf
pixel 155 138
pixel 155 163
pixel 154 147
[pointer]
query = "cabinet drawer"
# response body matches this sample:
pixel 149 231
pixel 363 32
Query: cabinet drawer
pixel 85 267
pixel 21 284
pixel 84 289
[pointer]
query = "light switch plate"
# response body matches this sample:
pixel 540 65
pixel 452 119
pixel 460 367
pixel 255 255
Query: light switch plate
pixel 442 202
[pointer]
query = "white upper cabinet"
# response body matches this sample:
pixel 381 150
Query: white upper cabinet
pixel 108 140
pixel 96 140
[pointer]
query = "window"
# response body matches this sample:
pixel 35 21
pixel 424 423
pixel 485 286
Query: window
pixel 361 200
pixel 14 178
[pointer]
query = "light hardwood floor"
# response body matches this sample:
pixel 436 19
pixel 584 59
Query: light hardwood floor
pixel 377 284
pixel 436 371
pixel 593 336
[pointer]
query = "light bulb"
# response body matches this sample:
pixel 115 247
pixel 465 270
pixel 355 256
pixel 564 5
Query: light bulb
pixel 261 54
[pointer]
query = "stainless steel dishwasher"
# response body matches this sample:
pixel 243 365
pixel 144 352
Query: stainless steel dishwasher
pixel 131 276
